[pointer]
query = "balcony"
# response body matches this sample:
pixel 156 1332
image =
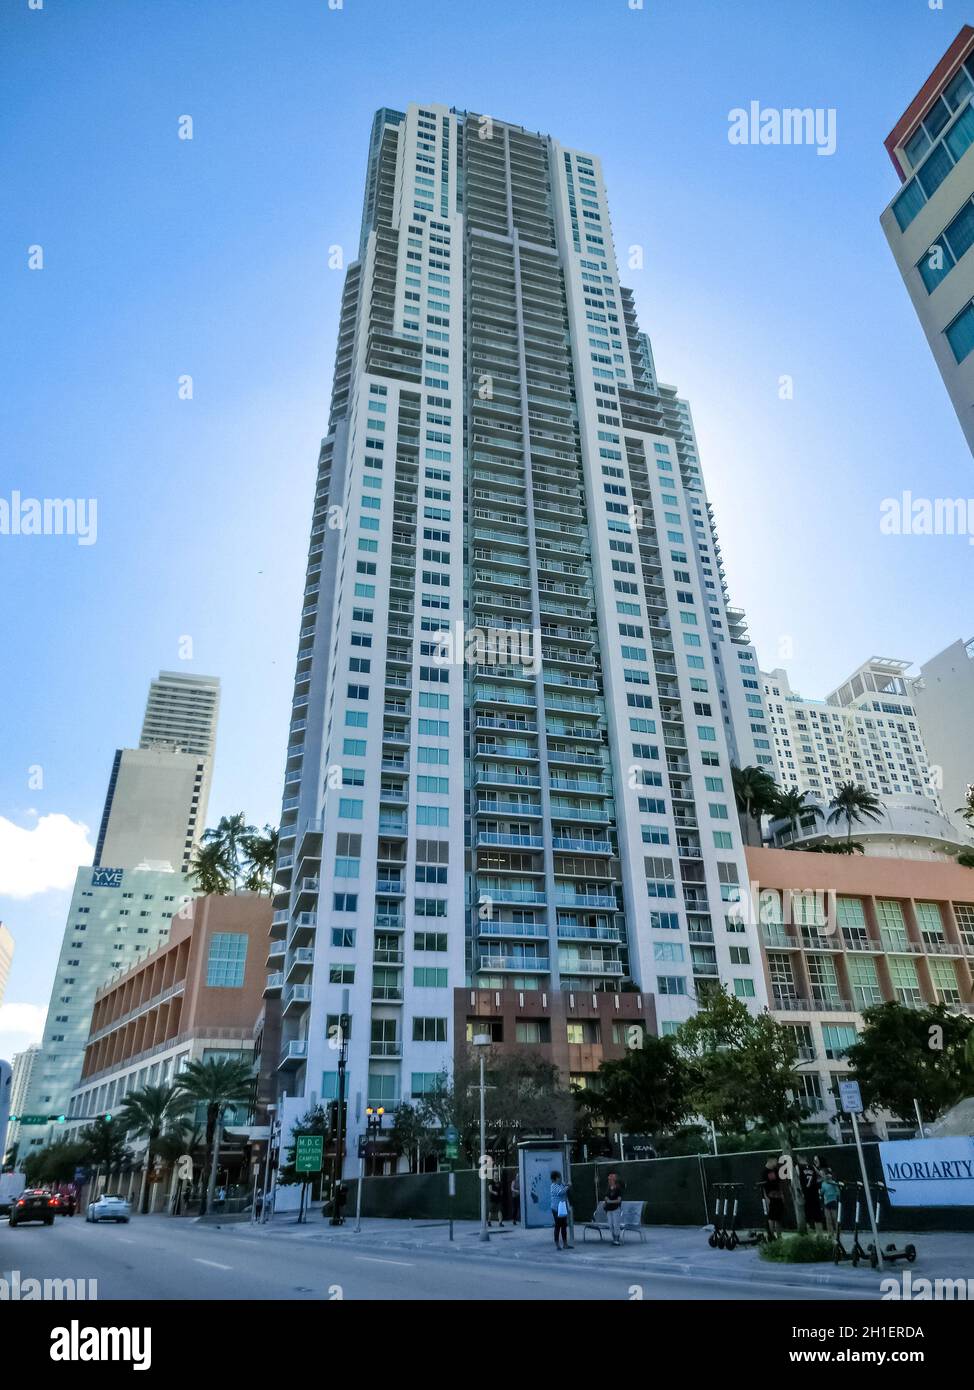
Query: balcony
pixel 275 983
pixel 567 842
pixel 301 963
pixel 603 900
pixel 530 964
pixel 293 1054
pixel 590 967
pixel 384 1048
pixel 506 840
pixel 297 998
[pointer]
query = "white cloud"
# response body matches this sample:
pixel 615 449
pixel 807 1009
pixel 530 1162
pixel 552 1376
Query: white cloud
pixel 20 1025
pixel 37 858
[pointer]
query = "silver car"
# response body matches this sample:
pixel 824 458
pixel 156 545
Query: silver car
pixel 108 1208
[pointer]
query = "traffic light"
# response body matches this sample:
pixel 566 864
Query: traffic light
pixel 108 1118
pixel 333 1117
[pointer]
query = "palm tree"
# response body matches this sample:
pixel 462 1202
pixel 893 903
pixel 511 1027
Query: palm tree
pixel 147 1113
pixel 261 852
pixel 755 791
pixel 183 1138
pixel 231 835
pixel 215 1083
pixel 208 868
pixel 853 802
pixel 104 1139
pixel 967 810
pixel 791 806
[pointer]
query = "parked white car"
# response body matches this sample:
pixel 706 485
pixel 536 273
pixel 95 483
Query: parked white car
pixel 108 1208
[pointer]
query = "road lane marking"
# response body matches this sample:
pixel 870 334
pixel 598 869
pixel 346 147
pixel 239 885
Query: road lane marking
pixel 374 1260
pixel 213 1263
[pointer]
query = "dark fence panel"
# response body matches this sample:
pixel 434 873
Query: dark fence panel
pixel 677 1191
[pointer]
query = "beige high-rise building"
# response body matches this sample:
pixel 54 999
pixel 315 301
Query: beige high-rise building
pixel 155 809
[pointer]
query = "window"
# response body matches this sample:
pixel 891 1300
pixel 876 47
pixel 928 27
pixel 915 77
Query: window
pixel 429 977
pixel 429 941
pixel 960 333
pixel 671 984
pixel 345 902
pixel 533 1030
pixel 226 960
pixel 429 1030
pixel 341 974
pixel 343 938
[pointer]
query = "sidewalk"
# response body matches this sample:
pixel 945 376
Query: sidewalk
pixel 681 1251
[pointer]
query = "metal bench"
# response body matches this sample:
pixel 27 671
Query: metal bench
pixel 632 1220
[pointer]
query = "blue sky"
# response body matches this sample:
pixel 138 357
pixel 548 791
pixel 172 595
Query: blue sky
pixel 165 257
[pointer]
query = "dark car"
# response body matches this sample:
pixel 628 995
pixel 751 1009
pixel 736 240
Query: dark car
pixel 33 1205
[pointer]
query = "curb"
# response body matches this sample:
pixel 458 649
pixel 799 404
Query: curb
pixel 755 1273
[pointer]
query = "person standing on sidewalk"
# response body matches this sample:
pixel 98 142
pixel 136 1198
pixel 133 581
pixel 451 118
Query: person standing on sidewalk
pixel 560 1207
pixel 515 1200
pixel 495 1196
pixel 612 1201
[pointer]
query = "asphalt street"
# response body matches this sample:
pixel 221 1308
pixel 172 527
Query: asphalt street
pixel 159 1258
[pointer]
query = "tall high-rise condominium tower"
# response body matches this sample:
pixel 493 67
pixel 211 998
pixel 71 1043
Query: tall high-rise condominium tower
pixel 930 222
pixel 155 809
pixel 509 770
pixel 122 907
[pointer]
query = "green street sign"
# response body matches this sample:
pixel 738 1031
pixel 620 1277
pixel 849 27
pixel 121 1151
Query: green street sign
pixel 451 1138
pixel 308 1152
pixel 36 1119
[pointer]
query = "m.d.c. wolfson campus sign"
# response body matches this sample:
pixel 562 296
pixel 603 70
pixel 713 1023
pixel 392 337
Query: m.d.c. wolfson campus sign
pixel 929 1172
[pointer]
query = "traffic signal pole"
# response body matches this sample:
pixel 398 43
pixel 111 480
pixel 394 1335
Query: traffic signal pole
pixel 336 1215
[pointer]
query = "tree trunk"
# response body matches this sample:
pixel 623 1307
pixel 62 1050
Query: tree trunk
pixel 214 1162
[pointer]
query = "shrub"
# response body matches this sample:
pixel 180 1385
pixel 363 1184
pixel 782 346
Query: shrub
pixel 801 1250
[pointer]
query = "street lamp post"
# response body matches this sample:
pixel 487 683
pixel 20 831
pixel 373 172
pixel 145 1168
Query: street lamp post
pixel 482 1041
pixel 336 1215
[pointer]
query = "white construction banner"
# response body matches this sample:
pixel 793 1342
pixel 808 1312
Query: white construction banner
pixel 929 1172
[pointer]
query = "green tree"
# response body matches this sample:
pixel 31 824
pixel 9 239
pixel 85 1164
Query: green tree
pixel 216 1083
pixel 745 1072
pixel 410 1134
pixel 231 835
pixel 147 1113
pixel 853 803
pixel 56 1163
pixel 645 1092
pixel 967 810
pixel 905 1055
pixel 260 853
pixel 208 869
pixel 755 791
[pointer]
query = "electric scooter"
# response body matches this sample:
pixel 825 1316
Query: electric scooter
pixel 767 1235
pixel 716 1238
pixel 731 1238
pixel 856 1253
pixel 908 1252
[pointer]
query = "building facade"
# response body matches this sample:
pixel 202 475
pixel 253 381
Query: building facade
pixel 944 697
pixel 6 957
pixel 866 731
pixel 509 766
pixel 196 996
pixel 117 918
pixel 156 804
pixel 22 1069
pixel 930 223
pixel 840 933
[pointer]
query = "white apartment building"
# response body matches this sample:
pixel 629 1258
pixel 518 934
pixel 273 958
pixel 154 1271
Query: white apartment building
pixel 541 799
pixel 930 223
pixel 182 712
pixel 866 731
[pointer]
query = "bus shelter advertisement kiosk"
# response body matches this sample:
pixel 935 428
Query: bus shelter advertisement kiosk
pixel 929 1172
pixel 537 1160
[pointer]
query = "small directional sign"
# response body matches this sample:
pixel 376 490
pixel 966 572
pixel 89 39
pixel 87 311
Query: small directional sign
pixel 850 1097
